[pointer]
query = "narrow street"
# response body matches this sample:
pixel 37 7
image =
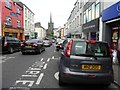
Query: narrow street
pixel 35 71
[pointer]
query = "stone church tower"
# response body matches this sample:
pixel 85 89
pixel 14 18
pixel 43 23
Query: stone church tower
pixel 50 26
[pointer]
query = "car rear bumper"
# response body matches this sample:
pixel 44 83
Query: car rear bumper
pixel 86 78
pixel 30 50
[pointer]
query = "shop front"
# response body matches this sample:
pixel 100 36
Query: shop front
pixel 91 29
pixel 18 33
pixel 111 24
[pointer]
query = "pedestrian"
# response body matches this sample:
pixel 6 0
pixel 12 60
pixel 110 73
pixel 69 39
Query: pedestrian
pixel 114 55
pixel 118 51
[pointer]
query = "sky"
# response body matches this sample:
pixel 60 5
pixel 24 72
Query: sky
pixel 60 10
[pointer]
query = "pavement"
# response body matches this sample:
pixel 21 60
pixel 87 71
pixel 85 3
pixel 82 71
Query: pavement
pixel 116 68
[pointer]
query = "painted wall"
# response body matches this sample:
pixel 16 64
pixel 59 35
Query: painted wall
pixel 12 10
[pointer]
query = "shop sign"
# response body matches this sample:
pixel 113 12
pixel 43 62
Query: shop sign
pixel 92 26
pixel 112 12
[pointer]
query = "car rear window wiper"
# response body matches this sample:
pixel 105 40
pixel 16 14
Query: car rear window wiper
pixel 87 55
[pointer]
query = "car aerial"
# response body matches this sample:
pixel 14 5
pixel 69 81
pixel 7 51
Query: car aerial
pixel 86 62
pixel 32 45
pixel 10 44
pixel 47 43
pixel 60 44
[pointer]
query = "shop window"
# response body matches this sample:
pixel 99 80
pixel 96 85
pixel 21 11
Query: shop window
pixel 8 4
pixel 8 21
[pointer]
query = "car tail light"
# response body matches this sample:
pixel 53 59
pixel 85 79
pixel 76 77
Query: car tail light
pixel 69 48
pixel 5 44
pixel 35 45
pixel 111 51
pixel 91 41
pixel 22 45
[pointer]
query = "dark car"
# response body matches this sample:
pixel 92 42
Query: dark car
pixel 33 45
pixel 10 44
pixel 86 62
pixel 60 44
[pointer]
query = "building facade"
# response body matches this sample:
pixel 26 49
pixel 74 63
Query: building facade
pixel 12 19
pixel 74 21
pixel 28 23
pixel 111 24
pixel 41 32
pixel 0 18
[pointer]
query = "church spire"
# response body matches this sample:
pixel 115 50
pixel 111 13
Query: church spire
pixel 50 17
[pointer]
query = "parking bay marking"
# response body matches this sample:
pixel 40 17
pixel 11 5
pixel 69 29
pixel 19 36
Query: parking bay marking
pixel 39 79
pixel 48 59
pixel 45 66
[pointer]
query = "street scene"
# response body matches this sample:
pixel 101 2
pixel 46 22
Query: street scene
pixel 59 44
pixel 37 71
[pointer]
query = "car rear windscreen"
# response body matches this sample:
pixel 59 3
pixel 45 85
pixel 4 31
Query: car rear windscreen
pixel 98 49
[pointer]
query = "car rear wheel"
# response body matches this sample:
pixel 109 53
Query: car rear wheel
pixel 57 49
pixel 39 51
pixel 23 53
pixel 61 83
pixel 11 50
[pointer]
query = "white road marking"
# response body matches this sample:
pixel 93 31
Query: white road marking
pixel 43 62
pixel 29 75
pixel 33 72
pixel 56 75
pixel 41 59
pixel 45 66
pixel 48 59
pixel 24 82
pixel 53 57
pixel 31 68
pixel 39 78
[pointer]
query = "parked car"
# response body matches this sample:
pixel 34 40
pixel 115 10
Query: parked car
pixel 33 45
pixel 86 62
pixel 47 43
pixel 60 44
pixel 9 44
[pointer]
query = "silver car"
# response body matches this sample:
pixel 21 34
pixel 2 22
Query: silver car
pixel 86 62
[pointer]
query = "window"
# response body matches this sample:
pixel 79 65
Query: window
pixel 18 23
pixel 8 21
pixel 89 14
pixel 18 11
pixel 8 4
pixel 93 11
pixel 84 17
pixel 79 47
pixel 97 10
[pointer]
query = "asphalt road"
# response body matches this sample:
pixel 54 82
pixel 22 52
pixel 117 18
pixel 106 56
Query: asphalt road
pixel 34 71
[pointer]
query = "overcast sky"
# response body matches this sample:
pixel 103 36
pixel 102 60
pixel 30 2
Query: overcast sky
pixel 60 10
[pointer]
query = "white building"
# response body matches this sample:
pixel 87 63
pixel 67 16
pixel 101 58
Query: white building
pixel 41 32
pixel 28 22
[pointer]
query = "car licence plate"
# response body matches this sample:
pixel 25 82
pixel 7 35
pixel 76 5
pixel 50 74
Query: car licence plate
pixel 28 46
pixel 91 67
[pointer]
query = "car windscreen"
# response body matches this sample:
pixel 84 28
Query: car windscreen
pixel 83 48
